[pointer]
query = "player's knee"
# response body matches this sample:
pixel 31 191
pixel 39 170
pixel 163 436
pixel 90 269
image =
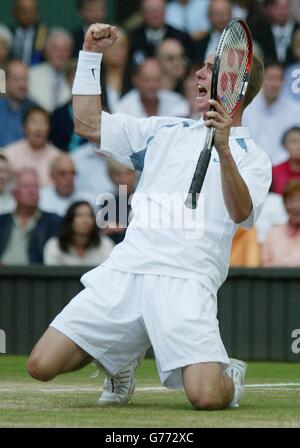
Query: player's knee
pixel 205 400
pixel 39 369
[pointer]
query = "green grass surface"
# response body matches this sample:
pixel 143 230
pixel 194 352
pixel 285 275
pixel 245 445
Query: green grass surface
pixel 71 400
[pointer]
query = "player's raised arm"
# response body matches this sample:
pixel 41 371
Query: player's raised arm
pixel 86 89
pixel 235 191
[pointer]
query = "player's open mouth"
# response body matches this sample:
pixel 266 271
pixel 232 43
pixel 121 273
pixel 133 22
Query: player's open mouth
pixel 202 92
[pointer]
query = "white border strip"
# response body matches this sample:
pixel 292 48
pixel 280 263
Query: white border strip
pixel 14 388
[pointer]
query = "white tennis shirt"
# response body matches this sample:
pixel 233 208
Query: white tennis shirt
pixel 167 150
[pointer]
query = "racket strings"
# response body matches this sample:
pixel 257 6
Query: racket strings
pixel 233 66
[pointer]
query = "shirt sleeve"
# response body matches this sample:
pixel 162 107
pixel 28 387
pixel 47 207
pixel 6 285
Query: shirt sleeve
pixel 256 170
pixel 126 138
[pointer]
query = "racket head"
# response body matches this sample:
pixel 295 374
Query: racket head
pixel 232 66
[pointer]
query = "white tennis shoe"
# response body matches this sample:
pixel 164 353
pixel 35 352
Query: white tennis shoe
pixel 119 389
pixel 236 370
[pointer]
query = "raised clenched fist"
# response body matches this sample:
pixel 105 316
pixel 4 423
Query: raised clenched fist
pixel 99 36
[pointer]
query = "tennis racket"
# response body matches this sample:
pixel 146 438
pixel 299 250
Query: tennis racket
pixel 230 78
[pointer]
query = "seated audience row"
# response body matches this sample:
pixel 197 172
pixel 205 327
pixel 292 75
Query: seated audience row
pixel 31 235
pixel 278 245
pixel 273 23
pixel 282 244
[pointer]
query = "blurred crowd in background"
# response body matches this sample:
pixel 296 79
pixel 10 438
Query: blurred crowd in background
pixel 50 178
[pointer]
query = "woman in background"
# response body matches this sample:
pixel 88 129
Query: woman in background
pixel 115 73
pixel 79 241
pixel 34 151
pixel 282 244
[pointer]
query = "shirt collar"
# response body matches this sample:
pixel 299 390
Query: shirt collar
pixel 239 132
pixel 22 106
pixel 235 132
pixel 286 29
pixel 155 35
pixel 31 223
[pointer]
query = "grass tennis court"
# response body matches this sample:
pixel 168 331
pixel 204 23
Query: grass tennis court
pixel 272 399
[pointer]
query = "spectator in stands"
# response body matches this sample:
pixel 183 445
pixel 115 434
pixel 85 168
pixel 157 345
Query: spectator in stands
pixel 14 105
pixel 276 33
pixel 91 11
pixel 282 245
pixel 190 16
pixel 62 132
pixel 6 40
pixel 34 151
pixel 271 114
pixel 172 59
pixel 245 250
pixel 64 192
pixel 147 98
pixel 25 232
pixel 97 181
pixel 79 241
pixel 292 73
pixel 290 169
pixel 125 180
pixel 115 71
pixel 273 214
pixel 220 12
pixel 29 34
pixel 48 85
pixel 145 39
pixel 249 10
pixel 7 202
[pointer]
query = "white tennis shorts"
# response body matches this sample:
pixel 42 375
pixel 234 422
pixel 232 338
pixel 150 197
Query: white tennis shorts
pixel 119 315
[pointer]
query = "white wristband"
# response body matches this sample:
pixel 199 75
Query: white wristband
pixel 87 78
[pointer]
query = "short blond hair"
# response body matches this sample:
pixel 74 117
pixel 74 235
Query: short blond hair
pixel 256 80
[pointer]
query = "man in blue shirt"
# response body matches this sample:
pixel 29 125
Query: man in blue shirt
pixel 15 104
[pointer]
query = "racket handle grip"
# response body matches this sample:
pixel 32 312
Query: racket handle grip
pixel 198 179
